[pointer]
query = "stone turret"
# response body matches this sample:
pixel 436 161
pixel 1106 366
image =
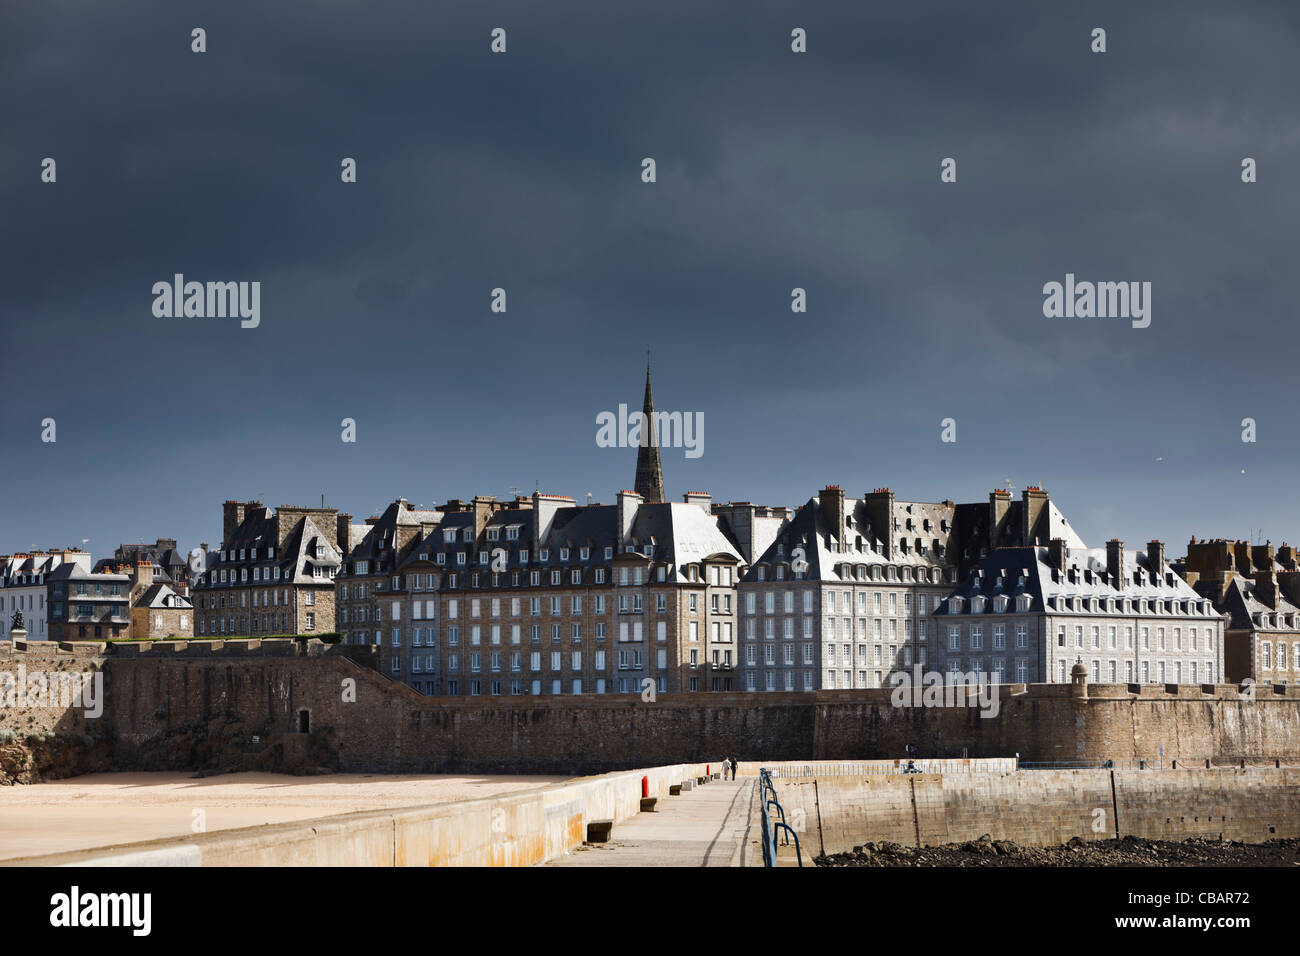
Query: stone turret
pixel 1078 679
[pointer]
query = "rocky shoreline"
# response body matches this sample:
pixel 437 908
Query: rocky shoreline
pixel 1130 851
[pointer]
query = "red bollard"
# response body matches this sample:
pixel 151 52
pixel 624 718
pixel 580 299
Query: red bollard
pixel 708 770
pixel 645 787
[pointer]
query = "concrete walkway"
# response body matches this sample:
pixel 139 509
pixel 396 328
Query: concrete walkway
pixel 703 827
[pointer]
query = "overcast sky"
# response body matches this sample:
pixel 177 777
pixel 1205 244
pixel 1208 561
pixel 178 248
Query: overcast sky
pixel 522 170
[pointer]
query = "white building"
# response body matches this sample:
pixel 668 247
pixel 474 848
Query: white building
pixel 22 587
pixel 1028 614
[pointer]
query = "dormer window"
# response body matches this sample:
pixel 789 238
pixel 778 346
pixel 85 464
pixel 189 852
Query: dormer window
pixel 1022 603
pixel 494 534
pixel 1000 604
pixel 512 534
pixel 954 605
pixel 564 554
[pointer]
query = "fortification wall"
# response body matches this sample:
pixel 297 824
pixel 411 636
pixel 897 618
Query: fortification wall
pixel 242 705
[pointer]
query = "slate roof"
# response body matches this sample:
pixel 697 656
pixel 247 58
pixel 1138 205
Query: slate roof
pixel 294 556
pixel 1029 570
pixel 1241 600
pixel 162 596
pixel 676 533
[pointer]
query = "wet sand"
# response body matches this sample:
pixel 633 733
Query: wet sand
pixel 106 808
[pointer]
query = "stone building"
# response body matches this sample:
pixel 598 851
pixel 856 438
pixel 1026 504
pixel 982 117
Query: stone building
pixel 542 596
pixel 1027 614
pixel 170 567
pixel 538 595
pixel 86 605
pixel 839 595
pixel 1259 591
pixel 369 576
pixel 273 574
pixel 158 610
pixel 23 587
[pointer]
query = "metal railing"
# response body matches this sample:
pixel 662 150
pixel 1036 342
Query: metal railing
pixel 767 798
pixel 846 769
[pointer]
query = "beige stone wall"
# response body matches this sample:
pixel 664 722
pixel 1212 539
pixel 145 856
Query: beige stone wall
pixel 151 624
pixel 1041 807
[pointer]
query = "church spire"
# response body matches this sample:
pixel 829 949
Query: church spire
pixel 649 473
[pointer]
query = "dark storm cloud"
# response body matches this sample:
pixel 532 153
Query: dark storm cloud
pixel 522 171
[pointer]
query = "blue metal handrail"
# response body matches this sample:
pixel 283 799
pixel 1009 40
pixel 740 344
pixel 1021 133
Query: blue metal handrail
pixel 768 798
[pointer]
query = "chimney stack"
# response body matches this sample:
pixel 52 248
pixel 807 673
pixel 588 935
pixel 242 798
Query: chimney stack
pixel 880 512
pixel 1241 556
pixel 1286 556
pixel 1115 563
pixel 544 509
pixel 628 503
pixel 1156 560
pixel 831 500
pixel 1261 556
pixel 1033 501
pixel 343 533
pixel 1058 553
pixel 484 505
pixel 1266 587
pixel 232 516
pixel 701 498
pixel 999 505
